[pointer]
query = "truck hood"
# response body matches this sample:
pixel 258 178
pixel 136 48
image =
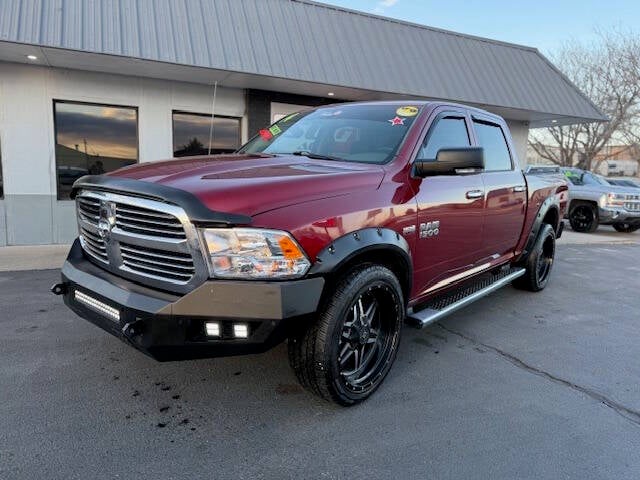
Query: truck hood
pixel 253 184
pixel 600 189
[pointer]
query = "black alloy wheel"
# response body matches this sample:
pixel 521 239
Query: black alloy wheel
pixel 583 218
pixel 539 262
pixel 545 258
pixel 367 337
pixel 345 354
pixel 626 227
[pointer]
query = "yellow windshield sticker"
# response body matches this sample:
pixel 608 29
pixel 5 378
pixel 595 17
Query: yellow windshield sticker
pixel 408 111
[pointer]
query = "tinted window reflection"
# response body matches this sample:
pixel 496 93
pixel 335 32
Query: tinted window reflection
pixel 496 152
pixel 449 132
pixel 191 134
pixel 92 139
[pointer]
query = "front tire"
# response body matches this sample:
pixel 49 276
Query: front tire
pixel 583 217
pixel 539 262
pixel 626 227
pixel 347 352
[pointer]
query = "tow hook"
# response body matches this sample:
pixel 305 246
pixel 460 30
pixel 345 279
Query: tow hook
pixel 132 330
pixel 59 289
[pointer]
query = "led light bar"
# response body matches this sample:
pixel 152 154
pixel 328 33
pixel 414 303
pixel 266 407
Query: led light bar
pixel 97 306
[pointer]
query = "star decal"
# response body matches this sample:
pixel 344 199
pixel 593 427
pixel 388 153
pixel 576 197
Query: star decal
pixel 396 121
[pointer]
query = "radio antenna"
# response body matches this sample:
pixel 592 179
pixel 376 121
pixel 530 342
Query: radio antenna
pixel 213 114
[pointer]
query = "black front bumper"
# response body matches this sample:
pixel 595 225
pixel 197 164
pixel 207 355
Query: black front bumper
pixel 172 327
pixel 609 216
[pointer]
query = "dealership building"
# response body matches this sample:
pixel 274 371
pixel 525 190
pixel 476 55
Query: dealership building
pixel 89 86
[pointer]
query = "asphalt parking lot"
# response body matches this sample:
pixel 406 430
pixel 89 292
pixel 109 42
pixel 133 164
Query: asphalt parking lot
pixel 518 385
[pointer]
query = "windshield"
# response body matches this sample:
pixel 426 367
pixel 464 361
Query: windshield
pixel 586 178
pixel 591 179
pixel 353 133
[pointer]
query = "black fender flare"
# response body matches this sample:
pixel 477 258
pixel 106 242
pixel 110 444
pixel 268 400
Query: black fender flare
pixel 551 203
pixel 343 249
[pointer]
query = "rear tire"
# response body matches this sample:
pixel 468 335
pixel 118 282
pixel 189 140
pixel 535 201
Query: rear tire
pixel 626 227
pixel 346 353
pixel 583 217
pixel 539 262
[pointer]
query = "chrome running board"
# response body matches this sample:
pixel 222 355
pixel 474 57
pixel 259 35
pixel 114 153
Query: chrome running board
pixel 443 305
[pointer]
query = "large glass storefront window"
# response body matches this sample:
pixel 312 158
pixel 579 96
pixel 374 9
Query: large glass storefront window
pixel 191 134
pixel 92 139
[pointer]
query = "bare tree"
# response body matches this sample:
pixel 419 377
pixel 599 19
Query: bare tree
pixel 608 72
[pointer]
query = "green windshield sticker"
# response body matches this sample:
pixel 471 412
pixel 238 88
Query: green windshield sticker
pixel 288 118
pixel 275 130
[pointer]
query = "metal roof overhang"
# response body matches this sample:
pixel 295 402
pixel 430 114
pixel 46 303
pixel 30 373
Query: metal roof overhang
pixel 121 65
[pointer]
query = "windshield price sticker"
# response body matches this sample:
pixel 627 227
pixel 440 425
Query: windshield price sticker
pixel 408 111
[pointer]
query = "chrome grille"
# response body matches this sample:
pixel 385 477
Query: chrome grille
pixel 632 203
pixel 150 261
pixel 148 222
pixel 140 239
pixel 94 245
pixel 89 208
pixel 89 214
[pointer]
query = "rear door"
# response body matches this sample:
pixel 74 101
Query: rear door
pixel 506 192
pixel 450 208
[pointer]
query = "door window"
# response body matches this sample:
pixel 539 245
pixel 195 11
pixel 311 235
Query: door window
pixel 448 132
pixel 496 152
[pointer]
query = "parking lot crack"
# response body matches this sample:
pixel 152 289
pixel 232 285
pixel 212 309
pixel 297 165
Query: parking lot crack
pixel 622 410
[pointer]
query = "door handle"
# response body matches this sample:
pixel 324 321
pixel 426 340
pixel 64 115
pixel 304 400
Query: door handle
pixel 519 188
pixel 475 194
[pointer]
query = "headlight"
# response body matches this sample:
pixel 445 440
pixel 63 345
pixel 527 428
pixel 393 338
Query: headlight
pixel 616 199
pixel 254 253
pixel 602 201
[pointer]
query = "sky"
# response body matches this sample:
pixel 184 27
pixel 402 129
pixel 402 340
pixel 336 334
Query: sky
pixel 544 24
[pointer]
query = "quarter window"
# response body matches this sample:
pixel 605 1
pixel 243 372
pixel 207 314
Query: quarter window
pixel 496 152
pixel 92 139
pixel 448 132
pixel 191 133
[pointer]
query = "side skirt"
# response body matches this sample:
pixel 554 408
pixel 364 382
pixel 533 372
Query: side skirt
pixel 441 306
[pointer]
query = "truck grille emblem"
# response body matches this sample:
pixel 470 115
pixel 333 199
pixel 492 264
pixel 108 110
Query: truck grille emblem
pixel 107 219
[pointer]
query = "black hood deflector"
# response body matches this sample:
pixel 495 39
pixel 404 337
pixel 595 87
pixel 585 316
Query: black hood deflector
pixel 197 212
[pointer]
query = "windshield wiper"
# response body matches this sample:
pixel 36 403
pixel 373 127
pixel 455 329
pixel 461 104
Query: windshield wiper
pixel 315 156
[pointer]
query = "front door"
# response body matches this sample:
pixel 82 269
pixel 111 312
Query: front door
pixel 450 210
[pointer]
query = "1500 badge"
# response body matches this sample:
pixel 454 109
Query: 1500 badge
pixel 430 229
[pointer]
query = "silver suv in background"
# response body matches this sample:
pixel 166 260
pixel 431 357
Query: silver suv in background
pixel 593 200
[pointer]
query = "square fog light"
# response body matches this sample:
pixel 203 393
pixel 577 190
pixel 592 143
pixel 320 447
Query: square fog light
pixel 241 330
pixel 213 329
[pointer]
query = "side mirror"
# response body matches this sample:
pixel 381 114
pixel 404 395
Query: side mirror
pixel 451 161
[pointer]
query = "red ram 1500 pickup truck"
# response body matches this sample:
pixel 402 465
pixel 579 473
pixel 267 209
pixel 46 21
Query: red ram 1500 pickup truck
pixel 331 228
